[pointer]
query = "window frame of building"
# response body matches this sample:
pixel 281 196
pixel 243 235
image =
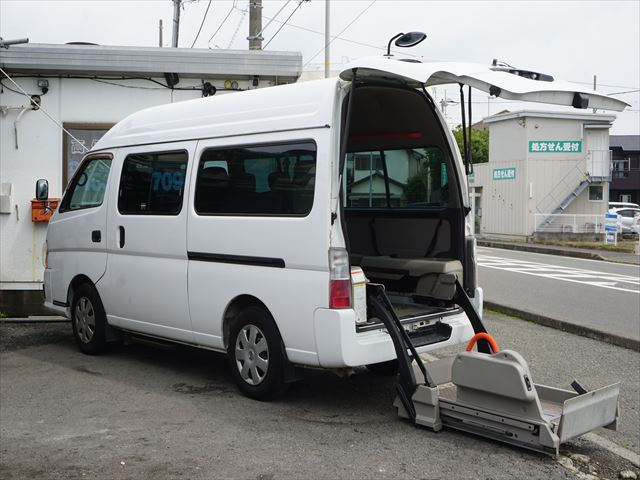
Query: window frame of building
pixel 313 151
pixel 181 191
pixel 66 142
pixel 621 172
pixel 68 195
pixel 595 187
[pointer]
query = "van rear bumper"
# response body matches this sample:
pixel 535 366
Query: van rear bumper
pixel 339 345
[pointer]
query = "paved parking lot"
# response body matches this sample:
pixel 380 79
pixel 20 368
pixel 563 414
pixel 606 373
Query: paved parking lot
pixel 147 412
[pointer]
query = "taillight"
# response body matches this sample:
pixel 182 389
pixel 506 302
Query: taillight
pixel 45 255
pixel 339 278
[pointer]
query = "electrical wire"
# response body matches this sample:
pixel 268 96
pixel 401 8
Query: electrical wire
pixel 272 18
pixel 336 37
pixel 112 81
pixel 222 23
pixel 300 2
pixel 341 32
pixel 235 33
pixel 126 86
pixel 602 84
pixel 14 91
pixel 201 24
pixel 40 107
pixel 622 93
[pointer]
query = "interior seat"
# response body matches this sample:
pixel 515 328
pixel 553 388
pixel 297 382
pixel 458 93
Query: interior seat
pixel 428 277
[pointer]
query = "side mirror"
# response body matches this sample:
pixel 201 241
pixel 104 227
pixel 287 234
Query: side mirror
pixel 42 189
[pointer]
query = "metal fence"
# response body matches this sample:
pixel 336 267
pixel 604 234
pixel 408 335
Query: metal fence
pixel 568 223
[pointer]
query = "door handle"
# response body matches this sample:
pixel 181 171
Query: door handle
pixel 96 236
pixel 121 235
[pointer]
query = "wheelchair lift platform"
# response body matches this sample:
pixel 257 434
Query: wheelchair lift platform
pixel 490 393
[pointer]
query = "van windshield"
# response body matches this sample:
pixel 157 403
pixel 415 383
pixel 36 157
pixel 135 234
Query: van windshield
pixel 411 178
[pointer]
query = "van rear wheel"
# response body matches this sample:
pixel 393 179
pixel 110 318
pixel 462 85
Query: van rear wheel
pixel 256 355
pixel 88 320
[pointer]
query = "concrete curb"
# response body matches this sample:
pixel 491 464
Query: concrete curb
pixel 35 319
pixel 536 249
pixel 565 326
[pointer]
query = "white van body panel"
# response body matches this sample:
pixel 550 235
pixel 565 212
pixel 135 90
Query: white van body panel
pixel 340 346
pixel 297 106
pixel 480 76
pixel 291 294
pixel 145 285
pixel 71 250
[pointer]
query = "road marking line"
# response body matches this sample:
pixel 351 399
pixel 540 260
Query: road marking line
pixel 619 264
pixel 613 448
pixel 562 279
pixel 569 274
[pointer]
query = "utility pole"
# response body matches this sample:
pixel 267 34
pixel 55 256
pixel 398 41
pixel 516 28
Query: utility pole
pixel 327 40
pixel 160 33
pixel 255 25
pixel 176 23
pixel 594 87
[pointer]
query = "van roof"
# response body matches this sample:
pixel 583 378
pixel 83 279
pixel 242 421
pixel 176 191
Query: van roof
pixel 296 106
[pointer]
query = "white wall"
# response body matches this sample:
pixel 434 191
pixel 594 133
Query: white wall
pixel 39 154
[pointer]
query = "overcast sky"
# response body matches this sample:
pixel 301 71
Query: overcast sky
pixel 572 40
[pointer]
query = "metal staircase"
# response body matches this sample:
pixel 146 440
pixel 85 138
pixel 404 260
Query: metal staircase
pixel 575 181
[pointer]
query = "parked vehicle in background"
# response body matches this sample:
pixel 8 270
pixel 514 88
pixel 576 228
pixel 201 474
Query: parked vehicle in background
pixel 614 205
pixel 629 218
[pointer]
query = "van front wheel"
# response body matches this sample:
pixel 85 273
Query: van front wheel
pixel 88 320
pixel 256 355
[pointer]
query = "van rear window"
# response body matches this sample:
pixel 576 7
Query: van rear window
pixel 152 183
pixel 273 179
pixel 413 178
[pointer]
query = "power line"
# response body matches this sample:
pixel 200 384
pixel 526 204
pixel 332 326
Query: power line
pixel 222 23
pixel 201 24
pixel 341 32
pixel 235 33
pixel 602 84
pixel 40 107
pixel 622 93
pixel 336 37
pixel 285 22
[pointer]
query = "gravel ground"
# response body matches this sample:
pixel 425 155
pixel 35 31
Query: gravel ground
pixel 147 412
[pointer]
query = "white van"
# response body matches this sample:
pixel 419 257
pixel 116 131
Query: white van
pixel 237 222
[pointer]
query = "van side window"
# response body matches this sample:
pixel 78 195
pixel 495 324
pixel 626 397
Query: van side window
pixel 275 179
pixel 413 178
pixel 152 183
pixel 88 186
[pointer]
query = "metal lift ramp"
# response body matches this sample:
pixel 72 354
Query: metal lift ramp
pixel 489 392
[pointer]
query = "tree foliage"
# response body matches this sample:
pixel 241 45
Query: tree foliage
pixel 479 144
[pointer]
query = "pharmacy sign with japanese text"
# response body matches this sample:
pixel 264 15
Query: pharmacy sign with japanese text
pixel 555 146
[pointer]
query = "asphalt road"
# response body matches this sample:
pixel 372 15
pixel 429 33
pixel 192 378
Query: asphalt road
pixel 151 413
pixel 600 295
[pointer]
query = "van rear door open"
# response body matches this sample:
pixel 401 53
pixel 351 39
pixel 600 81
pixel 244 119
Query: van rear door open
pixel 499 81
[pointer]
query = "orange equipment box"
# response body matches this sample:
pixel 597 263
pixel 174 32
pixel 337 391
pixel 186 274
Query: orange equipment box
pixel 41 210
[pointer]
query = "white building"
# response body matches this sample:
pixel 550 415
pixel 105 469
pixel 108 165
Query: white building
pixel 548 172
pixel 87 89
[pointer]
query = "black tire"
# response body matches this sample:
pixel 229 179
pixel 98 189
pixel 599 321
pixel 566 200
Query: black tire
pixel 269 382
pixel 87 309
pixel 384 369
